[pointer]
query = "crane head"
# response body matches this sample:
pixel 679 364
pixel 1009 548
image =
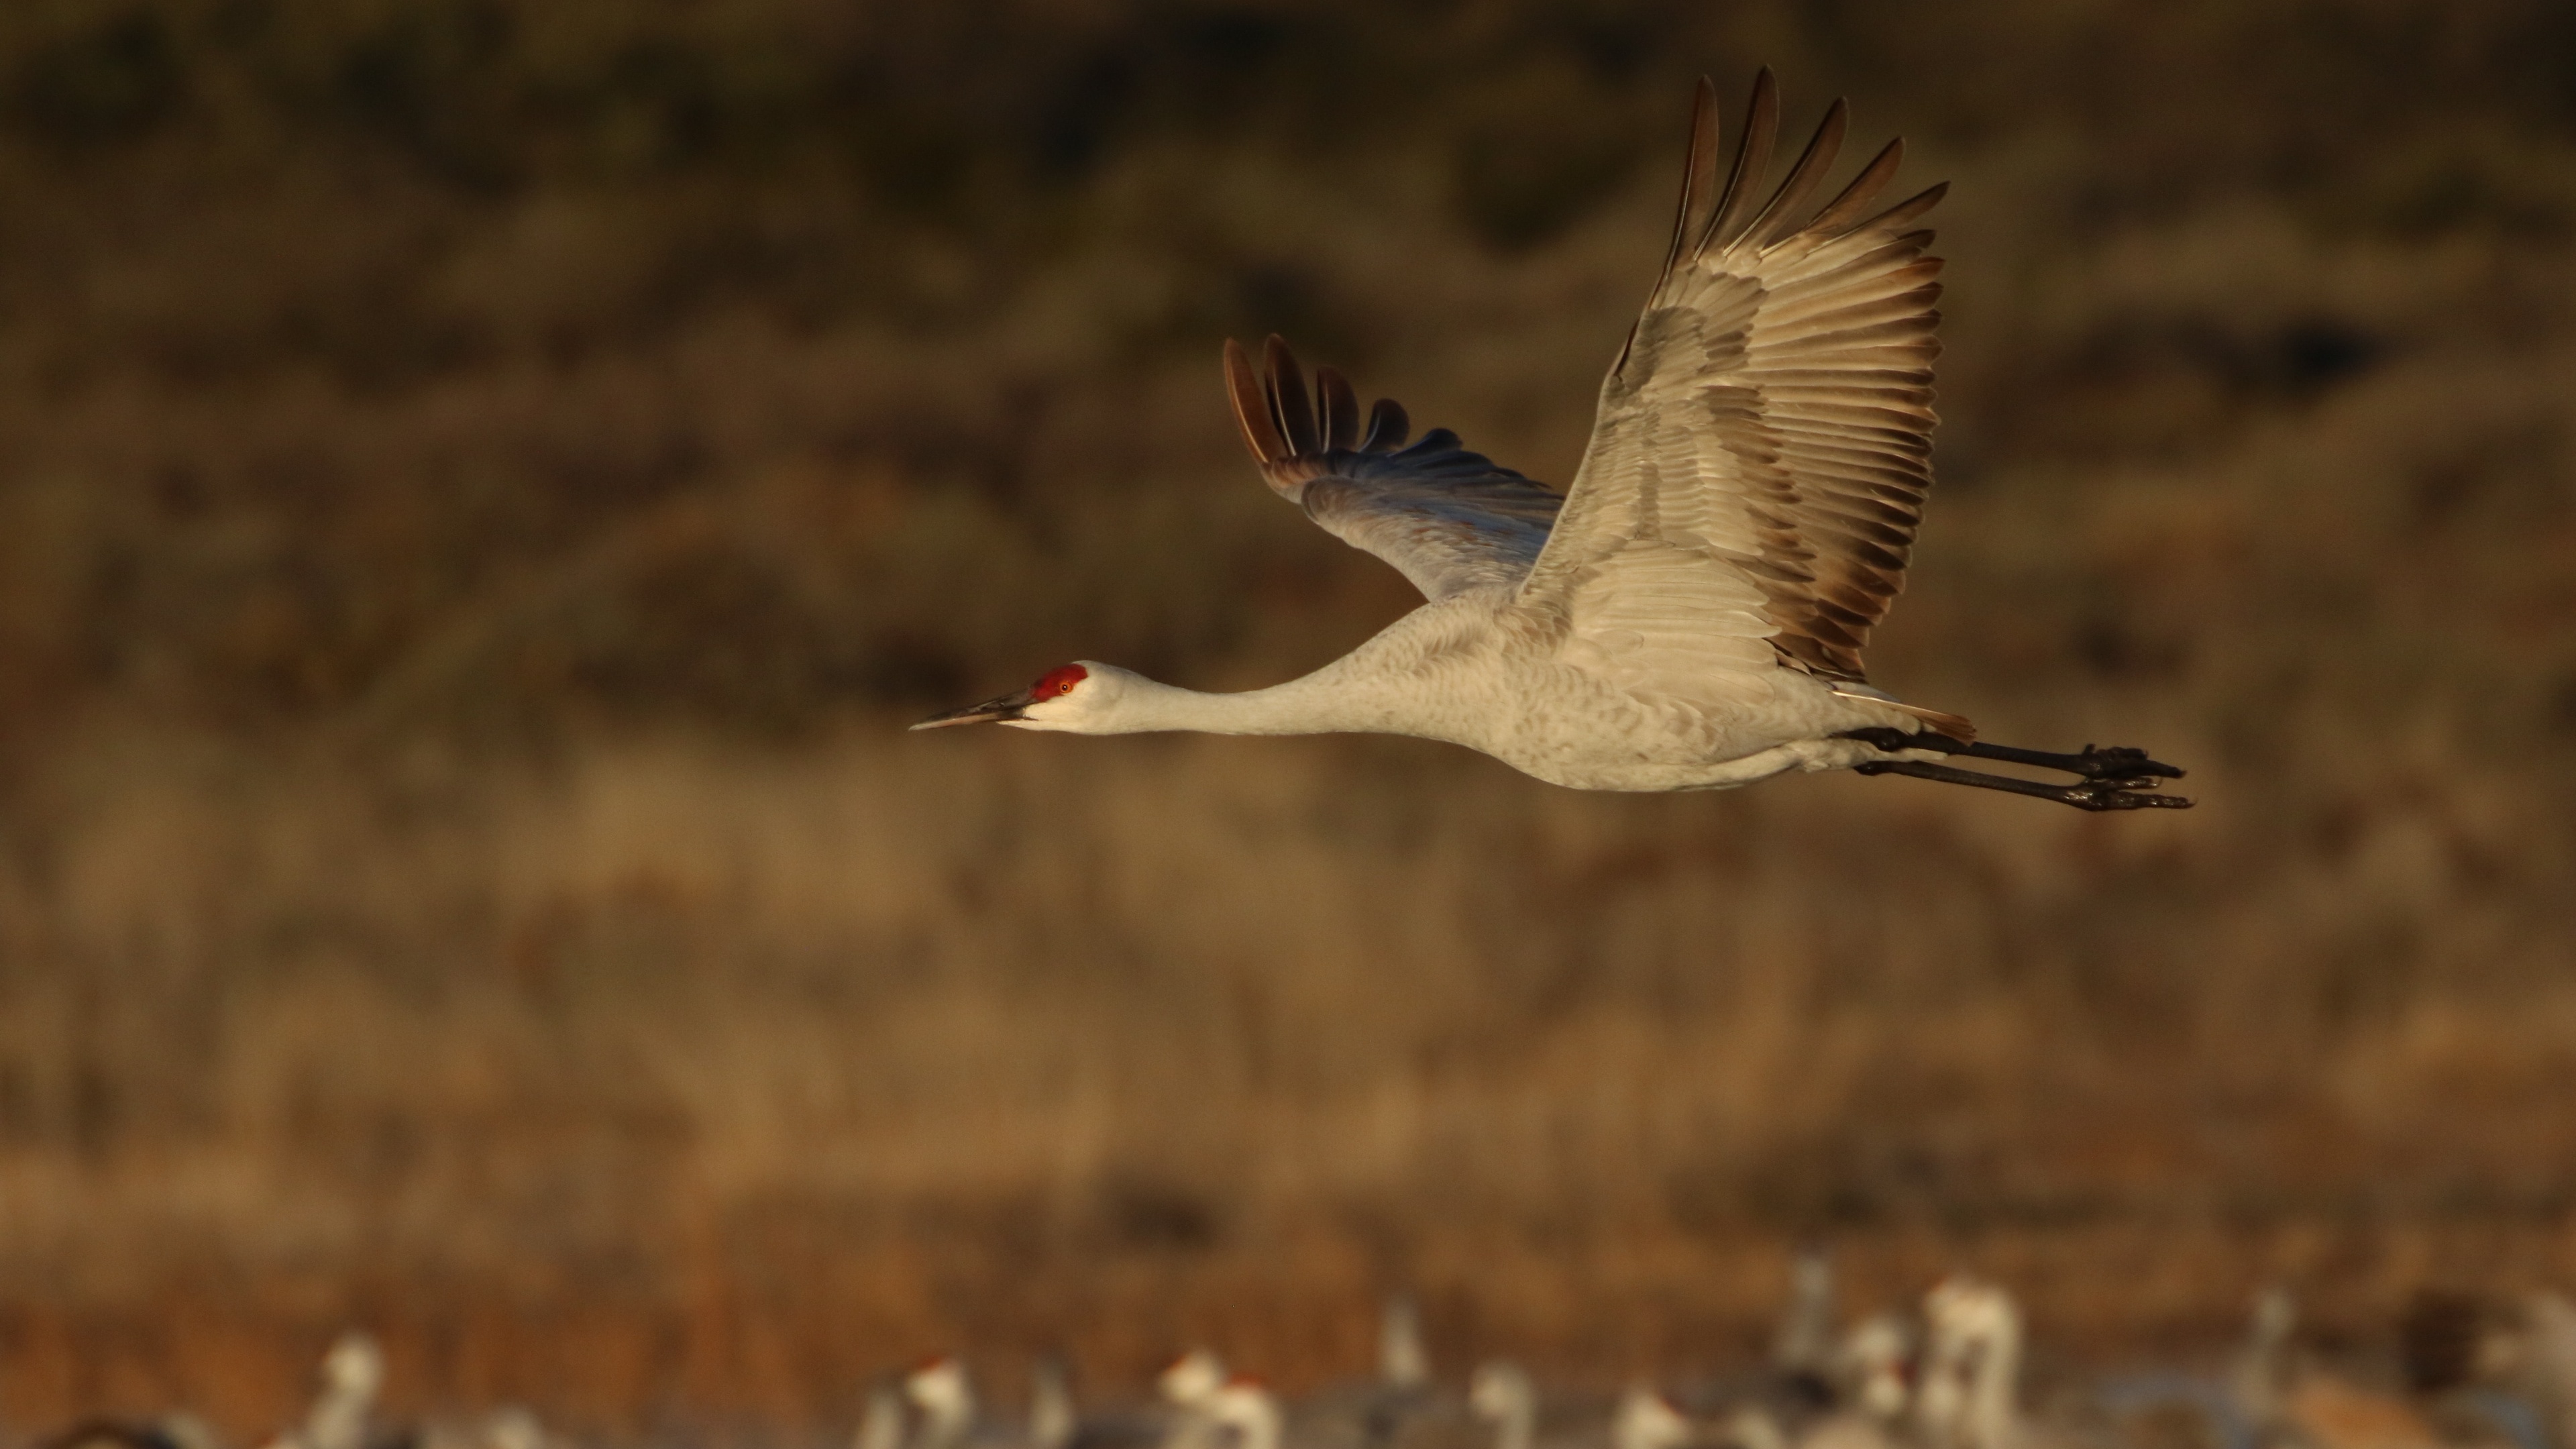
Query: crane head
pixel 1058 696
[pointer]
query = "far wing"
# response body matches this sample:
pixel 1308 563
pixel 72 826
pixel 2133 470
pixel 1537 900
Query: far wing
pixel 1763 445
pixel 1448 519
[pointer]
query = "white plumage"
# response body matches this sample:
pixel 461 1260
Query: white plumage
pixel 1691 613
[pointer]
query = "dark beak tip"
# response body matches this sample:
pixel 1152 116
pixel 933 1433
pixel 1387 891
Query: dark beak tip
pixel 994 711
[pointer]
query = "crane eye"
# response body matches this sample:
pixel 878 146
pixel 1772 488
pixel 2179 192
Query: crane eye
pixel 1060 681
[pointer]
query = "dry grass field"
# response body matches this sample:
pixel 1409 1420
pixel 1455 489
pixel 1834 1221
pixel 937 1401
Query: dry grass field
pixel 482 482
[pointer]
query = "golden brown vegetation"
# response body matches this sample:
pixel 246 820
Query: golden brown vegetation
pixel 481 482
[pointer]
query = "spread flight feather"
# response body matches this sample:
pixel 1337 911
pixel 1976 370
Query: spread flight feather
pixel 1757 465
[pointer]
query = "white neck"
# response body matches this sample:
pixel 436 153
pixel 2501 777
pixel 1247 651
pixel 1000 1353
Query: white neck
pixel 1332 700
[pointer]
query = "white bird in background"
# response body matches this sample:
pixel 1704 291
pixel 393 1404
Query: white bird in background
pixel 1804 1344
pixel 1403 1392
pixel 2288 1402
pixel 2521 1347
pixel 1971 1374
pixel 517 1427
pixel 353 1373
pixel 1403 1363
pixel 1054 1423
pixel 1870 1365
pixel 1691 614
pixel 1646 1420
pixel 1502 1395
pixel 939 1389
pixel 881 1425
pixel 1191 1386
pixel 1246 1412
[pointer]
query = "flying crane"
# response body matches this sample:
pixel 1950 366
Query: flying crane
pixel 1690 614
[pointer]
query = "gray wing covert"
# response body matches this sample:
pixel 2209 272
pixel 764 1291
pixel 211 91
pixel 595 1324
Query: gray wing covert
pixel 1448 519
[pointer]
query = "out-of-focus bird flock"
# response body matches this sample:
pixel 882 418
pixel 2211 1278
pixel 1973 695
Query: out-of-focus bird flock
pixel 2461 1371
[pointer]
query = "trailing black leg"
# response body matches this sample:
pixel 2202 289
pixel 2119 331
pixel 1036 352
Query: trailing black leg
pixel 2114 777
pixel 2128 793
pixel 2096 762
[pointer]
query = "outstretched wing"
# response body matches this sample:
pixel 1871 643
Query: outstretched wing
pixel 1763 444
pixel 1448 519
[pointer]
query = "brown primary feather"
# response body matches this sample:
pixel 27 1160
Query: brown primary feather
pixel 1291 431
pixel 1781 212
pixel 1289 405
pixel 1388 426
pixel 1699 169
pixel 1846 209
pixel 1447 518
pixel 1252 406
pixel 1752 158
pixel 1341 409
pixel 1802 346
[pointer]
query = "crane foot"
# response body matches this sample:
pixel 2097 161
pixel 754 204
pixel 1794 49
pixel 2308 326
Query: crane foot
pixel 2113 777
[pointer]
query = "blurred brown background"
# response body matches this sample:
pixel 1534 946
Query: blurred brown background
pixel 483 481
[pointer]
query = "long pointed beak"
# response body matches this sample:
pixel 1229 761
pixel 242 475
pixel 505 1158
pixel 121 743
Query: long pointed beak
pixel 1007 707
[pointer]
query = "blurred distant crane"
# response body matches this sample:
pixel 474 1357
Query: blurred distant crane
pixel 1691 614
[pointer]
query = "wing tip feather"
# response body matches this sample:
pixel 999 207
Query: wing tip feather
pixel 1252 407
pixel 1290 404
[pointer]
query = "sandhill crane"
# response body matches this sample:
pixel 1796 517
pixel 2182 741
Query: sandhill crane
pixel 1053 1421
pixel 1870 1367
pixel 1403 1362
pixel 2548 1364
pixel 1190 1385
pixel 2528 1347
pixel 2260 1376
pixel 1245 1410
pixel 2483 1367
pixel 2289 1403
pixel 1645 1419
pixel 1803 1348
pixel 1971 1367
pixel 1403 1390
pixel 1690 614
pixel 1502 1395
pixel 881 1424
pixel 515 1426
pixel 941 1391
pixel 353 1373
pixel 1865 1374
pixel 1800 1395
